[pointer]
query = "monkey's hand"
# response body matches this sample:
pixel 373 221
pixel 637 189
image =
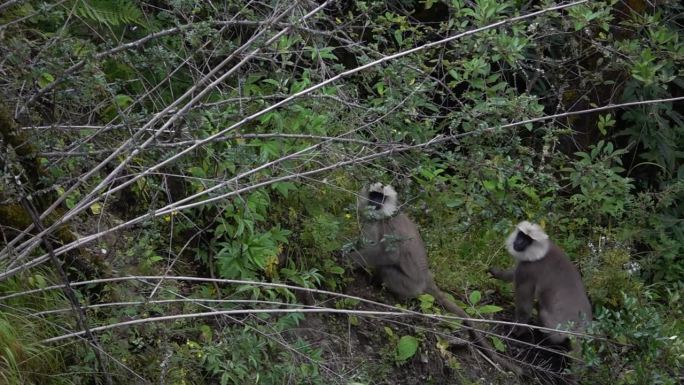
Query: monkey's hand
pixel 504 275
pixel 351 248
pixel 352 252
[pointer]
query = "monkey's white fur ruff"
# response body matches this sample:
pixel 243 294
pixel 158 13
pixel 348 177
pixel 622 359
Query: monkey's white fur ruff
pixel 535 251
pixel 389 206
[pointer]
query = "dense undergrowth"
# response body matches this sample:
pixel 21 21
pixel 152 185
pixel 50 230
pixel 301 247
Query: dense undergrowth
pixel 227 140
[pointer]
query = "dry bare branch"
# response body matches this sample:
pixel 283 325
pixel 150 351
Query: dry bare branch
pixel 93 196
pixel 177 206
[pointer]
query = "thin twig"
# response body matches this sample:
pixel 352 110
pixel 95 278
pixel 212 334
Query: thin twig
pixel 8 3
pixel 47 7
pixel 289 287
pixel 128 144
pixel 94 195
pixel 81 319
pixel 225 312
pixel 399 148
pixel 184 143
pixel 195 301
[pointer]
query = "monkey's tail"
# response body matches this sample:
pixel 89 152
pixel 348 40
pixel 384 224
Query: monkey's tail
pixel 474 333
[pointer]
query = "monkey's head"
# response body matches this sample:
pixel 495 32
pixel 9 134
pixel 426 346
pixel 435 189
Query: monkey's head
pixel 380 201
pixel 528 242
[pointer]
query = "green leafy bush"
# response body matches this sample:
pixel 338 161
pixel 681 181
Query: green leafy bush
pixel 642 345
pixel 610 273
pixel 271 197
pixel 244 356
pixel 603 191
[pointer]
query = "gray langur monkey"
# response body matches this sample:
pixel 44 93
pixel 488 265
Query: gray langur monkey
pixel 392 246
pixel 544 272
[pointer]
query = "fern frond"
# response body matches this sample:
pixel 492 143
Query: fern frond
pixel 110 12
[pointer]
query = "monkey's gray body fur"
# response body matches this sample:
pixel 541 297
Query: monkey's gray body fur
pixel 568 302
pixel 554 281
pixel 392 246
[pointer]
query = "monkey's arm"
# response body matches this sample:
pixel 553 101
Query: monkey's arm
pixel 376 254
pixel 504 275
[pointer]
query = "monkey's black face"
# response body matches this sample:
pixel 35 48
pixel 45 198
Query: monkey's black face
pixel 522 241
pixel 376 200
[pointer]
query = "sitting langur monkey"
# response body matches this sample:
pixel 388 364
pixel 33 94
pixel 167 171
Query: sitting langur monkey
pixel 545 273
pixel 393 247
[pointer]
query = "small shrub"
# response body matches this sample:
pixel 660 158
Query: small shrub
pixel 641 345
pixel 609 272
pixel 246 357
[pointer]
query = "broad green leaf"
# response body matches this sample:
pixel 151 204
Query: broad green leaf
pixel 197 172
pixel 96 208
pixel 284 188
pixel 488 309
pixel 272 82
pixel 454 202
pixel 475 297
pixel 406 348
pixel 398 37
pixel 489 185
pixel 426 302
pixel 123 101
pixel 45 79
pixel 498 344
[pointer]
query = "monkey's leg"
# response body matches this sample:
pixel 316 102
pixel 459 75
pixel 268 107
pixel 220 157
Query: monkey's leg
pixel 504 275
pixel 400 283
pixel 553 320
pixel 524 303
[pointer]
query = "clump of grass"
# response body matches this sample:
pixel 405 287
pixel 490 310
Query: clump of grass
pixel 23 359
pixel 459 260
